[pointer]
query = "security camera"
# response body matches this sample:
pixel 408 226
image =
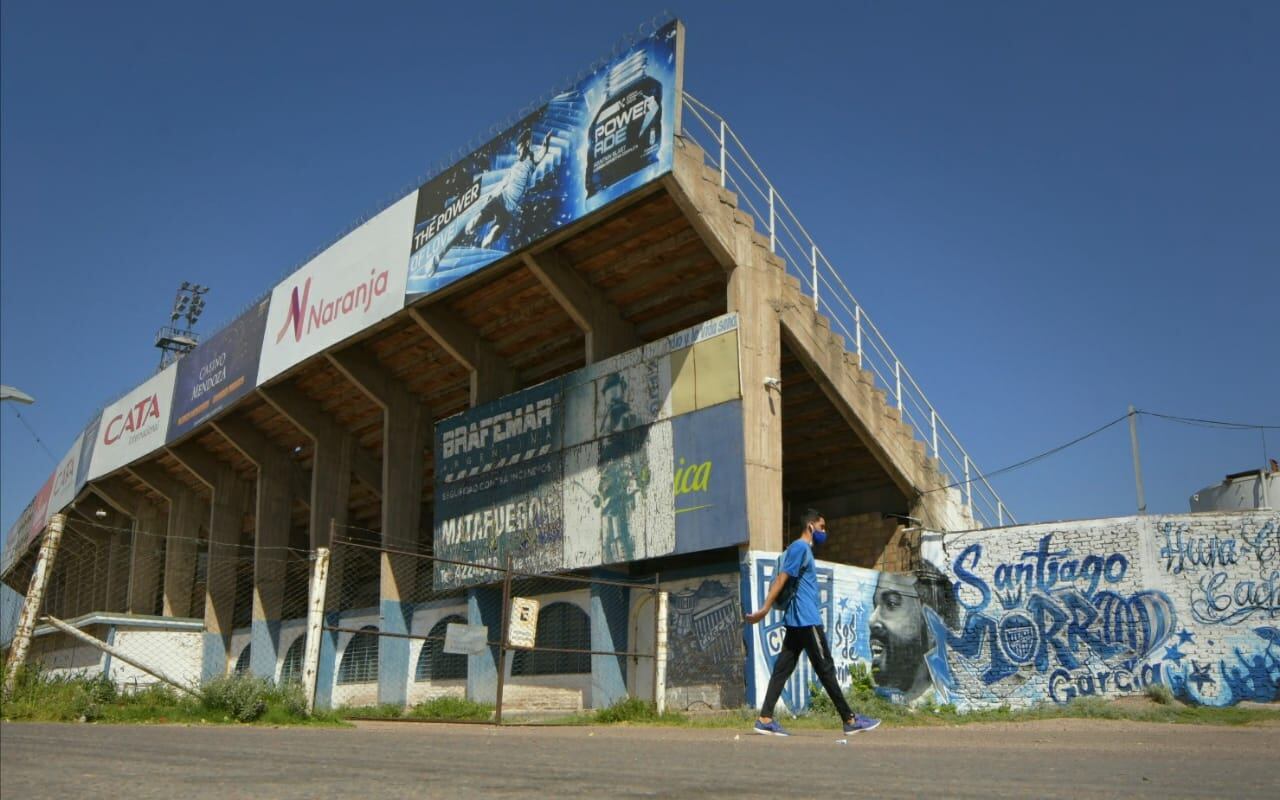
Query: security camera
pixel 773 383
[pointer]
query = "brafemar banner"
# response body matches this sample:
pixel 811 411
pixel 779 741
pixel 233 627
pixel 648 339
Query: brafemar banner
pixel 358 281
pixel 606 136
pixel 218 372
pixel 134 425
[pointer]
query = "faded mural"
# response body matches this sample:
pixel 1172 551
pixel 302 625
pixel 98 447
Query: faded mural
pixel 1047 613
pixel 704 641
pixel 634 457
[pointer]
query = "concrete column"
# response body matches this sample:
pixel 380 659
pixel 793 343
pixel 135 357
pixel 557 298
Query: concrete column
pixel 117 589
pixel 606 332
pixel 186 511
pixel 406 430
pixel 610 606
pixel 226 517
pixel 146 559
pixel 754 286
pixel 484 607
pixel 269 561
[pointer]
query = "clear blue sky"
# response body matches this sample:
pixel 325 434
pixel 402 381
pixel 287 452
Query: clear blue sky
pixel 1052 210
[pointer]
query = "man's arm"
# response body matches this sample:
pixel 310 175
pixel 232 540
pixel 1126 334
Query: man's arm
pixel 779 581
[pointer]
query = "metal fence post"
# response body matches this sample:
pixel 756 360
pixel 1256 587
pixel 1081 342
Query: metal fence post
pixel 933 430
pixel 772 238
pixel 723 183
pixel 857 331
pixel 315 621
pixel 660 656
pixel 34 599
pixel 897 381
pixel 502 645
pixel 968 487
pixel 814 258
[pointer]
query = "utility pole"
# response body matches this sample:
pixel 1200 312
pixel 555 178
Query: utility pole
pixel 1137 462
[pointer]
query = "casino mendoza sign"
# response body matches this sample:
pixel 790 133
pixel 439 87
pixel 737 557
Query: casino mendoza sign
pixel 357 282
pixel 134 425
pixel 609 134
pixel 218 372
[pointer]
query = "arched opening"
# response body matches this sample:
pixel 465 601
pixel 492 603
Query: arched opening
pixel 291 669
pixel 560 625
pixel 434 664
pixel 360 659
pixel 242 663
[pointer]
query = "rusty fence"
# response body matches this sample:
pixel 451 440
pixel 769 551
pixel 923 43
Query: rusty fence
pixel 444 638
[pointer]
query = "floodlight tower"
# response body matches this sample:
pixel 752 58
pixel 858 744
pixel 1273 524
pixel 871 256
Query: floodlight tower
pixel 174 341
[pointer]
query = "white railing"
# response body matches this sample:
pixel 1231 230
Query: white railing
pixel 740 173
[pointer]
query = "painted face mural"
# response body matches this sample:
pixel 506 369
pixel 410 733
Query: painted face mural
pixel 900 637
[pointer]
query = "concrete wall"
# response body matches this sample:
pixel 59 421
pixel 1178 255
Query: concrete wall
pixel 1045 613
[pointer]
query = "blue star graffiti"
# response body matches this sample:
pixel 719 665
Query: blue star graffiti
pixel 1250 672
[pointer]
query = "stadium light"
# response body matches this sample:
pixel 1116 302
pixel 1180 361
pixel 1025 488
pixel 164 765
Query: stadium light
pixel 16 395
pixel 174 341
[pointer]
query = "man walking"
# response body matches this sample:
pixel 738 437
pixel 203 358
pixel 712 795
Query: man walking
pixel 803 622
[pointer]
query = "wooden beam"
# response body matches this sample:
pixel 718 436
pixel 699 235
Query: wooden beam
pixel 491 375
pixel 198 462
pixel 158 478
pixel 361 368
pixel 311 418
pixel 607 333
pixel 121 498
pixel 256 447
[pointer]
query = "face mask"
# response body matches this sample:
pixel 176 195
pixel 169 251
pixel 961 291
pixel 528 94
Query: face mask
pixel 819 537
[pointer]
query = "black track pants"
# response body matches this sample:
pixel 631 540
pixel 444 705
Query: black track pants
pixel 812 640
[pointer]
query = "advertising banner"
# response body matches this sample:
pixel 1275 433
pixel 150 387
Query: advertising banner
pixel 608 135
pixel 87 440
pixel 65 486
pixel 218 372
pixel 134 425
pixel 605 465
pixel 39 514
pixel 358 281
pixel 17 534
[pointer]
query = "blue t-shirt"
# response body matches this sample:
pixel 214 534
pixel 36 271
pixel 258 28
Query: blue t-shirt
pixel 798 563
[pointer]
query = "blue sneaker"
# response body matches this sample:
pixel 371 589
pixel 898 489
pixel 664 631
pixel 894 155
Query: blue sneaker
pixel 771 728
pixel 861 723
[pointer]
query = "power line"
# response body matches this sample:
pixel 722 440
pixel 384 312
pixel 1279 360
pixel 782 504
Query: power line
pixel 34 435
pixel 1211 423
pixel 1035 458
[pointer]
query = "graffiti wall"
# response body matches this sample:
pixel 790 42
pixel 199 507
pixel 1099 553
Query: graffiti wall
pixel 704 641
pixel 1047 613
pixel 634 457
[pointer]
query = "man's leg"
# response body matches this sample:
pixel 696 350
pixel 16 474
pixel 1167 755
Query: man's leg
pixel 819 652
pixel 792 644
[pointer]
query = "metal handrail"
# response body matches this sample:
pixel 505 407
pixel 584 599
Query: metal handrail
pixel 773 217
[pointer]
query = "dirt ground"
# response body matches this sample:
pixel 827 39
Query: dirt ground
pixel 1059 758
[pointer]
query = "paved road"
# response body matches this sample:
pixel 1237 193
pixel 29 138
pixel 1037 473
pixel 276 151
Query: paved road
pixel 1061 758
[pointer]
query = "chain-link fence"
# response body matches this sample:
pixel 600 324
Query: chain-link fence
pixel 145 606
pixel 408 629
pixel 392 630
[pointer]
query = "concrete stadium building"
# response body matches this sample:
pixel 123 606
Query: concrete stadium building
pixel 599 346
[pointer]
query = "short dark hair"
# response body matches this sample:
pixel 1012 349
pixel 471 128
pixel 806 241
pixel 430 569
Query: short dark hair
pixel 810 516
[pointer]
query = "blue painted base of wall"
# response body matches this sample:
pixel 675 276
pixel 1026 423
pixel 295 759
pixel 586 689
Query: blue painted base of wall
pixel 265 642
pixel 213 660
pixel 609 605
pixel 484 607
pixel 393 654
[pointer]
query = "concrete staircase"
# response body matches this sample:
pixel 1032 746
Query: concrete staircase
pixel 732 235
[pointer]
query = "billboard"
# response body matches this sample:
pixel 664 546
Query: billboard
pixel 358 281
pixel 609 134
pixel 216 374
pixel 65 486
pixel 635 457
pixel 134 425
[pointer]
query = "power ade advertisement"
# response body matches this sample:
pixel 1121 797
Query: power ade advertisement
pixel 609 134
pixel 357 282
pixel 216 374
pixel 134 425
